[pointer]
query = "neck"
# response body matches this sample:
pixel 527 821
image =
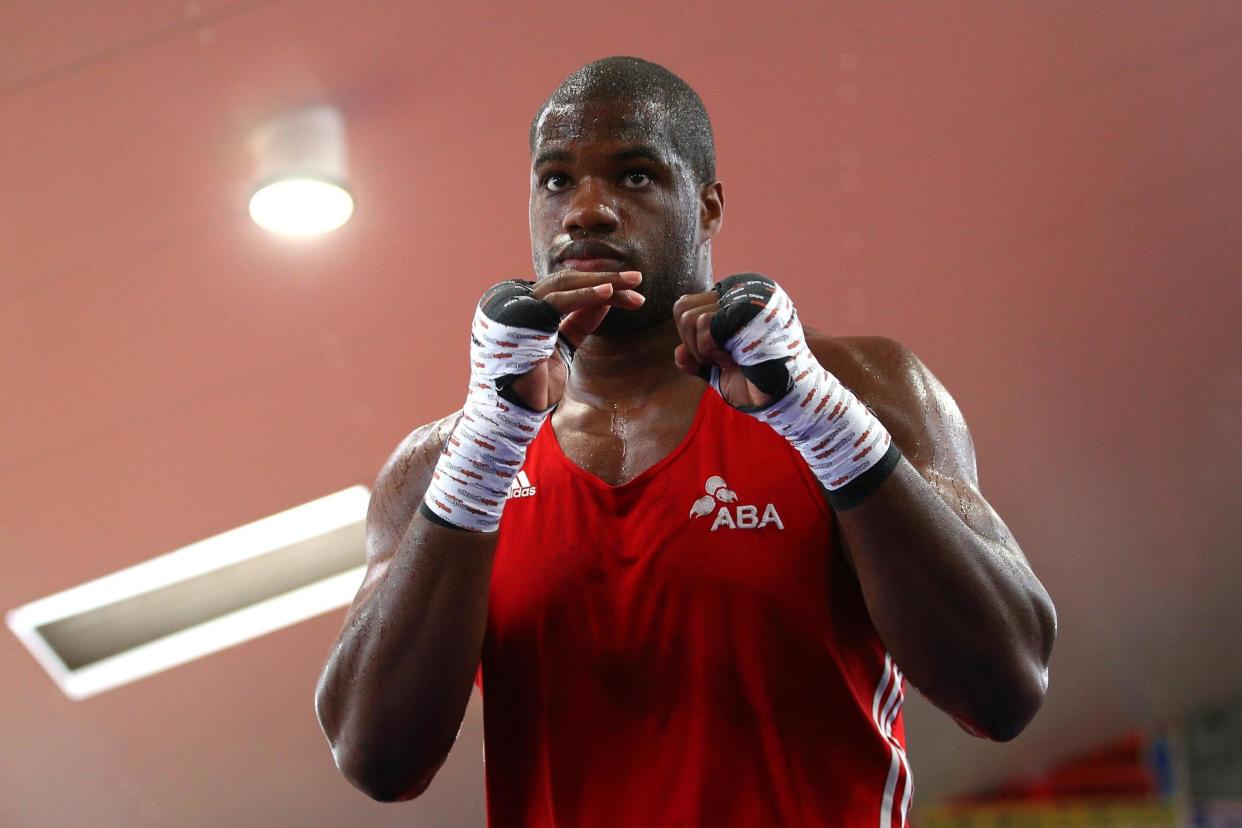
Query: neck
pixel 626 371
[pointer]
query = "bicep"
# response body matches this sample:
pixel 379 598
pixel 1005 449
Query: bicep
pixel 924 420
pixel 929 428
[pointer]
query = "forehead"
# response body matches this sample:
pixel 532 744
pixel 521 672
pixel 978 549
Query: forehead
pixel 576 125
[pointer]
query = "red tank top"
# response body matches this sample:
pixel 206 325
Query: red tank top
pixel 686 649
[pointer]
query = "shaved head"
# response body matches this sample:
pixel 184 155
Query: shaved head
pixel 654 90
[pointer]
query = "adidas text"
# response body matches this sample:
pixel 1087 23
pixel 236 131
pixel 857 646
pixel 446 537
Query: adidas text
pixel 521 486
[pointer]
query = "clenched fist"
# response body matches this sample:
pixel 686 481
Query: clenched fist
pixel 705 327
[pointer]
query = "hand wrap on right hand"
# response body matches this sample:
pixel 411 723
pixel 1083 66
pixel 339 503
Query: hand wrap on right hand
pixel 845 445
pixel 512 332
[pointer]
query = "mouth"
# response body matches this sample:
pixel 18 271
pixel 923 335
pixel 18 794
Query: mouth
pixel 594 265
pixel 591 257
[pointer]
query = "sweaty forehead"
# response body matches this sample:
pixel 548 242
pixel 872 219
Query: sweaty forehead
pixel 567 124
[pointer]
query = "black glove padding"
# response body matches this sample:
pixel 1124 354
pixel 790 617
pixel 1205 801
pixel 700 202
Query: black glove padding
pixel 512 302
pixel 743 296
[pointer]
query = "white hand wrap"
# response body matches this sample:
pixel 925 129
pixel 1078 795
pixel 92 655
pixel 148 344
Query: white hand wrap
pixel 838 436
pixel 487 447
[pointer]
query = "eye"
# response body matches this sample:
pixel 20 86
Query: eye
pixel 637 179
pixel 555 182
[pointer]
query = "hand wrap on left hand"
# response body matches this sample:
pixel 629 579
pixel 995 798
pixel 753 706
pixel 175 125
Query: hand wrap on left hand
pixel 846 447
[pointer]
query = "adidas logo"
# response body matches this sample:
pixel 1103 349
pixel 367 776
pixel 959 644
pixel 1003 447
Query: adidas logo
pixel 521 486
pixel 745 516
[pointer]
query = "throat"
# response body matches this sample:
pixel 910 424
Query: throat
pixel 625 372
pixel 617 443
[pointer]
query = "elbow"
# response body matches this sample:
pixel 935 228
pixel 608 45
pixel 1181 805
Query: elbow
pixel 385 781
pixel 1007 722
pixel 1006 706
pixel 1015 699
pixel 1000 686
pixel 382 777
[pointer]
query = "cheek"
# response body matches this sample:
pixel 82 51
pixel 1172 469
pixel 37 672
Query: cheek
pixel 667 218
pixel 679 228
pixel 543 224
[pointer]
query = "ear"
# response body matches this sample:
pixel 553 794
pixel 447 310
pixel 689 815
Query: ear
pixel 711 210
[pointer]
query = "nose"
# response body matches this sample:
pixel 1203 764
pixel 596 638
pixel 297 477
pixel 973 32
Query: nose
pixel 590 209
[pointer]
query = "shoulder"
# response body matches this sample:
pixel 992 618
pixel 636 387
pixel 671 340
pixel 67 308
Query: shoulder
pixel 906 396
pixel 401 483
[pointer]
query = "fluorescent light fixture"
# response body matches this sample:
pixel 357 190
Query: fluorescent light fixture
pixel 301 173
pixel 201 598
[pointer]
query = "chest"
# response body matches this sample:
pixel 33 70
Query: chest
pixel 724 525
pixel 618 445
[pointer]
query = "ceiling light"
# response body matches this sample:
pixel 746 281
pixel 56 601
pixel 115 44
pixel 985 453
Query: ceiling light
pixel 199 599
pixel 301 173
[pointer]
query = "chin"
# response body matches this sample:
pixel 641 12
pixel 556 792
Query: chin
pixel 621 322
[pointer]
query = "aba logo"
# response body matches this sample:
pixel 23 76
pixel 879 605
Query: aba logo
pixel 745 516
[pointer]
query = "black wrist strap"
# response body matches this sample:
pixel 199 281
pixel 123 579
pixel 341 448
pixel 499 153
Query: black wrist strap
pixel 854 492
pixel 425 511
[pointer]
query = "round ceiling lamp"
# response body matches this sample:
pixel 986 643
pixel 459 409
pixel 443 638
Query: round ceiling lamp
pixel 302 184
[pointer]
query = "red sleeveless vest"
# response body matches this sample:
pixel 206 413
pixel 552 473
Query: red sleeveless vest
pixel 686 649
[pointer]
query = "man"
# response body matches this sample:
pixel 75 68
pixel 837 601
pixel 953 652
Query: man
pixel 694 608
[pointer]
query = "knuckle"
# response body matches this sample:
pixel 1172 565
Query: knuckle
pixel 562 279
pixel 548 285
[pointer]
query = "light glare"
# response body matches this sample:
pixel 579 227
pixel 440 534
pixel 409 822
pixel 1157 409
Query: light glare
pixel 301 206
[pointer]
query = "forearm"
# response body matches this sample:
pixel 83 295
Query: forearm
pixel 392 696
pixel 960 611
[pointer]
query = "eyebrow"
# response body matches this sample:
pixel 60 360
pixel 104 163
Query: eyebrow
pixel 627 154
